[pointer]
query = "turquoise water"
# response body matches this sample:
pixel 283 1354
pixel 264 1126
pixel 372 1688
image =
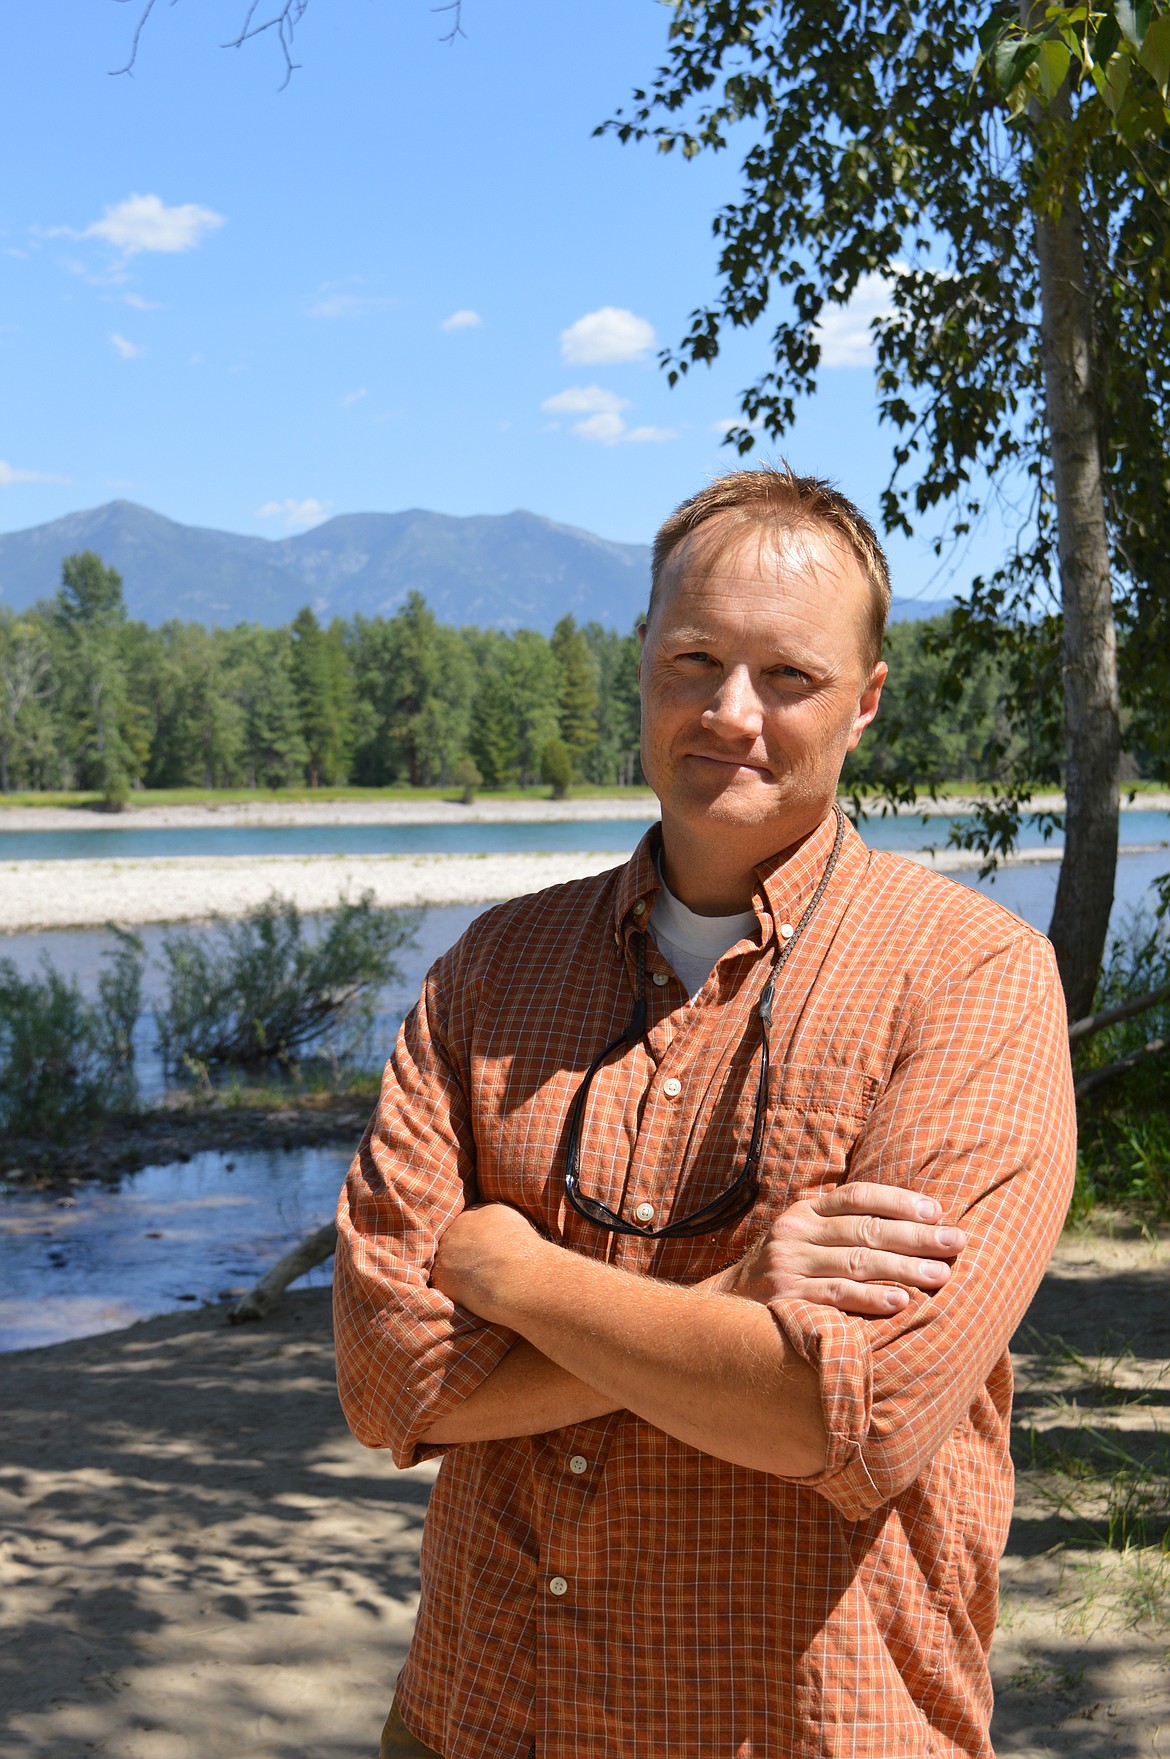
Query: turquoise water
pixel 620 835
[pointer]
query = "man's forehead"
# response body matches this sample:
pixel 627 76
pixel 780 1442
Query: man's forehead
pixel 724 551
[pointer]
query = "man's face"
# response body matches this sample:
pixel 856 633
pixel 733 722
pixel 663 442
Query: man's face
pixel 754 686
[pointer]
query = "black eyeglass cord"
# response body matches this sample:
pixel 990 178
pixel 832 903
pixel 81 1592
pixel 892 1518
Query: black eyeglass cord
pixel 737 1199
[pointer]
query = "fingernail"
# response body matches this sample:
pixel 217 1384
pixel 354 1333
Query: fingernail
pixel 927 1208
pixel 930 1267
pixel 896 1298
pixel 951 1239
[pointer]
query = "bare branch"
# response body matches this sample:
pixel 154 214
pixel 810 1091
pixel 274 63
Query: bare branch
pixel 138 29
pixel 456 30
pixel 1082 1029
pixel 1156 1047
pixel 284 21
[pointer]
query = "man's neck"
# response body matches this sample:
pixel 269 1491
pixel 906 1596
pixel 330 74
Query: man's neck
pixel 713 872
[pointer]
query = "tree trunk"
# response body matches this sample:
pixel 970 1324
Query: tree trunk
pixel 1084 894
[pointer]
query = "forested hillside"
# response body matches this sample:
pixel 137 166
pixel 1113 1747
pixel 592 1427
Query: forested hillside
pixel 92 699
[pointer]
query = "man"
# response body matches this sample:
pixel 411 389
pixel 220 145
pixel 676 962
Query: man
pixel 624 1240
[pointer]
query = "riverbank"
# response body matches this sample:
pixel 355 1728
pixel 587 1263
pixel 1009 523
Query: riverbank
pixel 486 809
pixel 185 1125
pixel 200 1563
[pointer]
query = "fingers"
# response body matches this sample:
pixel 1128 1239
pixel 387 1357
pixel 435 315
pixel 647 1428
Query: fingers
pixel 880 1217
pixel 866 1300
pixel 859 1264
pixel 891 1201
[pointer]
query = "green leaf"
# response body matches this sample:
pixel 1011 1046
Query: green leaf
pixel 1154 53
pixel 1052 65
pixel 1129 22
pixel 1107 38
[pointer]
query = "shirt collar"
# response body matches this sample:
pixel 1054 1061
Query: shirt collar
pixel 786 880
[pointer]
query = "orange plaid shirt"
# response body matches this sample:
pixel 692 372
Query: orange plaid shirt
pixel 605 1590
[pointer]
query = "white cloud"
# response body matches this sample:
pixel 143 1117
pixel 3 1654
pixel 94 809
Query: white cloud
pixel 352 397
pixel 583 400
pixel 654 435
pixel 844 330
pixel 139 303
pixel 334 302
pixel 144 222
pixel 602 412
pixel 11 474
pixel 462 320
pixel 607 335
pixel 297 515
pixel 725 427
pixel 127 350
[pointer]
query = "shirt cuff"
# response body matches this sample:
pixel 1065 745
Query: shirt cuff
pixel 836 1346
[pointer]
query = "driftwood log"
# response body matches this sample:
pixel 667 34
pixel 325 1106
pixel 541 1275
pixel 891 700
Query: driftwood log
pixel 260 1301
pixel 316 1248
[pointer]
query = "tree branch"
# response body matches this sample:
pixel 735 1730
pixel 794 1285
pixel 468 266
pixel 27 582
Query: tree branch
pixel 284 22
pixel 1092 1023
pixel 1097 1077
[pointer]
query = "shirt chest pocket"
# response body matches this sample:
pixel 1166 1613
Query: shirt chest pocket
pixel 815 1116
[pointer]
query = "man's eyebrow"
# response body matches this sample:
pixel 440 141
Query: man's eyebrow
pixel 789 654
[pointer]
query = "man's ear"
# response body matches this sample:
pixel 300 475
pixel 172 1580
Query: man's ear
pixel 641 634
pixel 867 706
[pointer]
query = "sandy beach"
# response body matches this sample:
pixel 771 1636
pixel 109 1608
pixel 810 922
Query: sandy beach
pixel 182 888
pixel 200 1563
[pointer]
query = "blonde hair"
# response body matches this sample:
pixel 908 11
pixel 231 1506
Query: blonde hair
pixel 776 501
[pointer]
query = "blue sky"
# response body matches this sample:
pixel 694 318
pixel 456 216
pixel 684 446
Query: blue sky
pixel 412 278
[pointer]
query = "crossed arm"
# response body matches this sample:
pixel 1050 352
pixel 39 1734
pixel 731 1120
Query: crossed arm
pixel 706 1364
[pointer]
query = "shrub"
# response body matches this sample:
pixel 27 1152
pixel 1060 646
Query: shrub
pixel 64 1060
pixel 261 990
pixel 1125 1124
pixel 467 779
pixel 556 767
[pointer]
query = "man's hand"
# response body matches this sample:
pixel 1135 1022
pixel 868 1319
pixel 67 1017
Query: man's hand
pixel 860 1248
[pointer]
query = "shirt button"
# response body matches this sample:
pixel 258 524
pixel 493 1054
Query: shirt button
pixel 644 1212
pixel 639 906
pixel 661 978
pixel 617 940
pixel 578 1464
pixel 672 1087
pixel 558 1585
pixel 786 931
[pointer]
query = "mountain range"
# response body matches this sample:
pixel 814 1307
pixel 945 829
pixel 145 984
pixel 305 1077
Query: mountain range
pixel 508 571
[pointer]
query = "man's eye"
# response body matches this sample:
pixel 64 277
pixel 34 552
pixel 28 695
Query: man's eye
pixel 697 656
pixel 793 675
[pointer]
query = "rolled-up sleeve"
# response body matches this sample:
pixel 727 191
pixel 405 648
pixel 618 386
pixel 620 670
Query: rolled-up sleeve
pixel 979 1113
pixel 405 1353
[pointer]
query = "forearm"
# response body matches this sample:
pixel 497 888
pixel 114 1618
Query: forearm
pixel 710 1369
pixel 525 1395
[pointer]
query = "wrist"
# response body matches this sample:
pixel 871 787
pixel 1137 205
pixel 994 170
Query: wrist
pixel 506 1285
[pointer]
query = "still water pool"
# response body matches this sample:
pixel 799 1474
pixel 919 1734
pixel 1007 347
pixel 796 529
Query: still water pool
pixel 164 1238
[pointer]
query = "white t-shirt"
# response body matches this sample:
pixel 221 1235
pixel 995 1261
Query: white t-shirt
pixel 695 944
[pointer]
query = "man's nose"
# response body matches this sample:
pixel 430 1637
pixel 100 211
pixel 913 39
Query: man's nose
pixel 735 706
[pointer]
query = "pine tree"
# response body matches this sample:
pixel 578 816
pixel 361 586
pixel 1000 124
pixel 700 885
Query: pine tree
pixel 579 699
